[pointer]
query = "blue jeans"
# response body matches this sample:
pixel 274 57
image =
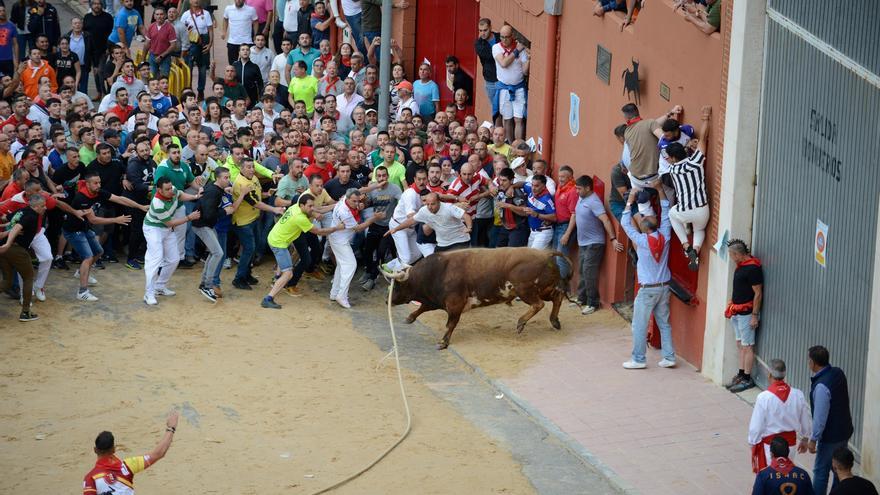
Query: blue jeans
pixel 558 231
pixel 162 68
pixel 189 248
pixel 355 22
pixel 369 35
pixel 267 221
pixel 247 237
pixel 651 300
pixel 822 465
pixel 221 238
pixel 24 42
pixel 85 243
pixel 84 82
pixel 492 94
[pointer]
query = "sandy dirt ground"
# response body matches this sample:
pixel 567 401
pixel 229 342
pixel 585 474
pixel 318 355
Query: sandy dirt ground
pixel 271 401
pixel 487 336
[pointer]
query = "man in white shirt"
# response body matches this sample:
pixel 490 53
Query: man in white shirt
pixel 781 410
pixel 348 213
pixel 345 104
pixel 279 63
pixel 511 67
pixel 239 26
pixel 262 55
pixel 408 250
pixel 196 20
pixel 451 223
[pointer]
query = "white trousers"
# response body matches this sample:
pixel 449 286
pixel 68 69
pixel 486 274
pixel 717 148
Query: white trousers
pixel 346 265
pixel 408 250
pixel 541 239
pixel 698 218
pixel 41 248
pixel 162 252
pixel 179 232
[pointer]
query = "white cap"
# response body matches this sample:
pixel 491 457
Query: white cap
pixel 517 162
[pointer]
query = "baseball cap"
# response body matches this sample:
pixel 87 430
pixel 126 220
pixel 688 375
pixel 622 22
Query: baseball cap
pixel 517 162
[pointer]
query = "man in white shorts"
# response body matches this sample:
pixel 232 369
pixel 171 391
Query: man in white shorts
pixel 511 67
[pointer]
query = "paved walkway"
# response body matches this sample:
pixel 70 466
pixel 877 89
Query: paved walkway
pixel 660 431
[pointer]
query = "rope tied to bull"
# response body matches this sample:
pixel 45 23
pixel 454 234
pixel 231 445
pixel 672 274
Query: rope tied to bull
pixel 405 405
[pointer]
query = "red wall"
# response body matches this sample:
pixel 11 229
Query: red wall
pixel 446 27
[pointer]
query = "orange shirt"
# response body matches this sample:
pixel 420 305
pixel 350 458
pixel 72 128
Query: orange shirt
pixel 30 78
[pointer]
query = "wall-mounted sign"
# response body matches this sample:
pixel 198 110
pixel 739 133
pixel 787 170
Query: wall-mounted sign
pixel 821 243
pixel 603 64
pixel 574 115
pixel 631 83
pixel 664 91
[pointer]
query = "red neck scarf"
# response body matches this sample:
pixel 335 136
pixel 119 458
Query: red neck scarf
pixel 656 245
pixel 331 82
pixel 127 80
pixel 415 188
pixel 782 465
pixel 110 463
pixel 752 261
pixel 163 197
pixel 508 49
pixel 780 389
pixel 355 213
pixel 633 121
pixel 84 189
pixel 346 61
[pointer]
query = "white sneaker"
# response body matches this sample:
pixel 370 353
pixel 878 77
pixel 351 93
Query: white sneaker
pixel 165 292
pixel 86 296
pixel 588 310
pixel 92 280
pixel 150 300
pixel 343 302
pixel 632 365
pixel 40 294
pixel 665 363
pixel 227 264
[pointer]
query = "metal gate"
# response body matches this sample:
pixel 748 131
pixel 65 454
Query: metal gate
pixel 818 165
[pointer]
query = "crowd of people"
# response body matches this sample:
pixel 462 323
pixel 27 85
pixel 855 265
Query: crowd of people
pixel 281 161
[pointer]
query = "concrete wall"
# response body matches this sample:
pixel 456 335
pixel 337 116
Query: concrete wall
pixel 870 425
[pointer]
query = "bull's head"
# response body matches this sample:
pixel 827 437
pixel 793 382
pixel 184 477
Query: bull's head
pixel 400 294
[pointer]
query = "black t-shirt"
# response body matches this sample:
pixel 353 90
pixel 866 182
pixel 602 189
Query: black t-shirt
pixel 65 65
pixel 336 189
pixel 30 222
pixel 360 177
pixel 209 206
pixel 411 168
pixel 67 177
pixel 619 178
pixel 744 278
pixel 854 486
pixel 82 202
pixel 111 174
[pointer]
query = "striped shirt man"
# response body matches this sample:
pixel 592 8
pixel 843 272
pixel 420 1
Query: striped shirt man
pixel 689 179
pixel 162 210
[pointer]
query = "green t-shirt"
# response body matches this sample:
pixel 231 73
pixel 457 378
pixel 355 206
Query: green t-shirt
pixel 287 187
pixel 305 89
pixel 289 227
pixel 396 174
pixel 713 14
pixel 86 155
pixel 180 176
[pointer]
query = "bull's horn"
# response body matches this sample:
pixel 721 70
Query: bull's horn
pixel 402 275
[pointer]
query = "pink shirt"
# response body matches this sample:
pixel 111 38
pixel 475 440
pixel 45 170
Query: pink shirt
pixel 161 37
pixel 262 7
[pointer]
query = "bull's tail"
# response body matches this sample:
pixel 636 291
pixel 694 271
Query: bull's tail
pixel 560 254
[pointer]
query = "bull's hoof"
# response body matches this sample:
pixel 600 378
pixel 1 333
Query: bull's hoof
pixel 409 320
pixel 442 345
pixel 520 327
pixel 555 323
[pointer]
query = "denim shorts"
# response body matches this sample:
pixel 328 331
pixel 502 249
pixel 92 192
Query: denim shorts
pixel 282 257
pixel 85 243
pixel 744 332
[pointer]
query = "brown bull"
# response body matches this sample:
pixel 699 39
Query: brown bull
pixel 457 281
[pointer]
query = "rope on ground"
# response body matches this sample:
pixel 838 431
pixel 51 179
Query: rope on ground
pixel 405 405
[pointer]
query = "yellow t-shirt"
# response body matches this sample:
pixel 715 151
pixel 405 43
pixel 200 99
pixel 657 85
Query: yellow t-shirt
pixel 504 150
pixel 246 212
pixel 324 197
pixel 7 165
pixel 289 227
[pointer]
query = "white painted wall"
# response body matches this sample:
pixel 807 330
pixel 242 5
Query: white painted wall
pixel 720 359
pixel 870 423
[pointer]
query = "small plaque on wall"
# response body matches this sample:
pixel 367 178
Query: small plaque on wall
pixel 664 91
pixel 603 64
